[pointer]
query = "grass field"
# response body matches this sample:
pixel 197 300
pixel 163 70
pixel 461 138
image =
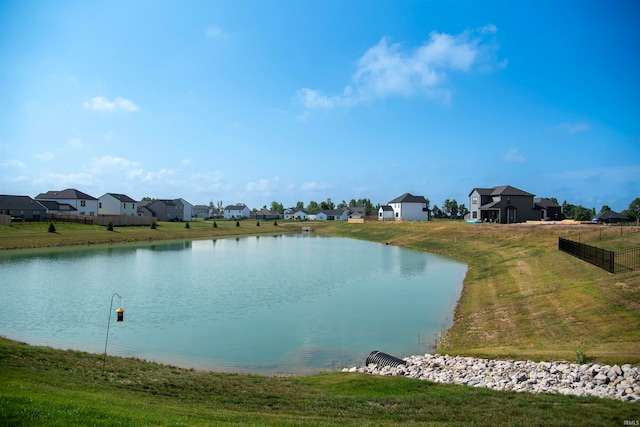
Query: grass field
pixel 522 298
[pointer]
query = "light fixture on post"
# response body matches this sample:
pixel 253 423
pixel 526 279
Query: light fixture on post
pixel 120 318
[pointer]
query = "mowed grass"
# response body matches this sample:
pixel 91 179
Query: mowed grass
pixel 522 298
pixel 35 234
pixel 44 387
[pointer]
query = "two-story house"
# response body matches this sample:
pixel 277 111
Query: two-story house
pixel 117 204
pixel 506 205
pixel 405 207
pixel 236 212
pixel 80 203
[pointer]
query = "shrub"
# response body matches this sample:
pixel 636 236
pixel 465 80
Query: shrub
pixel 110 226
pixel 275 223
pixel 153 225
pixel 237 223
pixel 258 224
pixel 52 228
pixel 186 225
pixel 215 225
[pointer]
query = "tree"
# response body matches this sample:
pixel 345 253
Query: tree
pixel 299 205
pixel 277 207
pixel 463 211
pixel 633 211
pixel 328 204
pixel 450 208
pixel 604 208
pixel 342 205
pixel 148 199
pixel 313 206
pixel 436 212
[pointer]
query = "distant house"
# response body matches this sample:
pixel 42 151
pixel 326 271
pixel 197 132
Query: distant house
pixel 236 212
pixel 298 214
pixel 165 210
pixel 549 210
pixel 406 207
pixel 266 214
pixel 186 208
pixel 201 211
pixel 23 207
pixel 117 204
pixel 332 215
pixel 82 203
pixel 506 205
pixel 357 212
pixel 610 217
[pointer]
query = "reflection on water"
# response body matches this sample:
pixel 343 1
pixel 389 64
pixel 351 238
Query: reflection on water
pixel 288 303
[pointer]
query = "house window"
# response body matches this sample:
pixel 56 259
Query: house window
pixel 508 199
pixel 99 205
pixel 396 214
pixel 124 206
pixel 474 214
pixel 474 200
pixel 82 203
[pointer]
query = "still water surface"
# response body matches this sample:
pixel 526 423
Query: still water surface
pixel 268 304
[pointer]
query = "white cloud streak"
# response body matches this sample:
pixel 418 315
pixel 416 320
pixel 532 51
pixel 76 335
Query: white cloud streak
pixel 390 69
pixel 119 104
pixel 216 32
pixel 572 128
pixel 513 156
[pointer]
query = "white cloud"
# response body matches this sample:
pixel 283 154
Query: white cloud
pixel 513 156
pixel 314 186
pixel 13 163
pixel 390 69
pixel 99 103
pixel 573 127
pixel 76 143
pixel 46 156
pixel 72 180
pixel 107 136
pixel 215 32
pixel 108 163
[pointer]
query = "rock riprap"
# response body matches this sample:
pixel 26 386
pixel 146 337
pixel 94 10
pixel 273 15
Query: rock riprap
pixel 615 382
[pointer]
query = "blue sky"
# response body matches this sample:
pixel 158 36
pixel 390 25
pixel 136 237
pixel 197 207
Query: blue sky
pixel 290 101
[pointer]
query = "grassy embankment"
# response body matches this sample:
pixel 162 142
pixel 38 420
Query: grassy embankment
pixel 522 298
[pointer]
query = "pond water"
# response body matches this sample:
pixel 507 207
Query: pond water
pixel 296 303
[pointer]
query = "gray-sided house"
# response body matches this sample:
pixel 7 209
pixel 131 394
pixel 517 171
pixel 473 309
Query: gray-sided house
pixel 82 203
pixel 506 205
pixel 405 207
pixel 23 207
pixel 332 215
pixel 298 214
pixel 266 214
pixel 117 204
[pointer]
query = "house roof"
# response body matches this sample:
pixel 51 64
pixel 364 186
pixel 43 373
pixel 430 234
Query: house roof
pixel 409 198
pixel 235 208
pixel 20 202
pixel 122 197
pixel 545 203
pixel 202 207
pixel 502 190
pixel 69 193
pixel 52 205
pixel 608 215
pixel 386 208
pixel 332 212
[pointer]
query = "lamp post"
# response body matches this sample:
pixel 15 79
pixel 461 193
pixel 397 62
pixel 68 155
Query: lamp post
pixel 120 318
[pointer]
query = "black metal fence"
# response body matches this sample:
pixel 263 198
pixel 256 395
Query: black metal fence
pixel 613 262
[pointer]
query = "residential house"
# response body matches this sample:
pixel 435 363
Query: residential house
pixel 386 213
pixel 406 207
pixel 506 204
pixel 610 217
pixel 23 207
pixel 357 212
pixel 117 204
pixel 165 210
pixel 266 214
pixel 236 212
pixel 332 215
pixel 297 214
pixel 82 203
pixel 186 208
pixel 549 210
pixel 201 211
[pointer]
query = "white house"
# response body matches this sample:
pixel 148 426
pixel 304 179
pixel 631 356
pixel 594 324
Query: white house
pixel 187 209
pixel 236 212
pixel 299 214
pixel 79 203
pixel 386 213
pixel 117 204
pixel 332 215
pixel 406 207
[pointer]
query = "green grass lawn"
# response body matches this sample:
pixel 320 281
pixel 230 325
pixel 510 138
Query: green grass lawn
pixel 522 298
pixel 44 387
